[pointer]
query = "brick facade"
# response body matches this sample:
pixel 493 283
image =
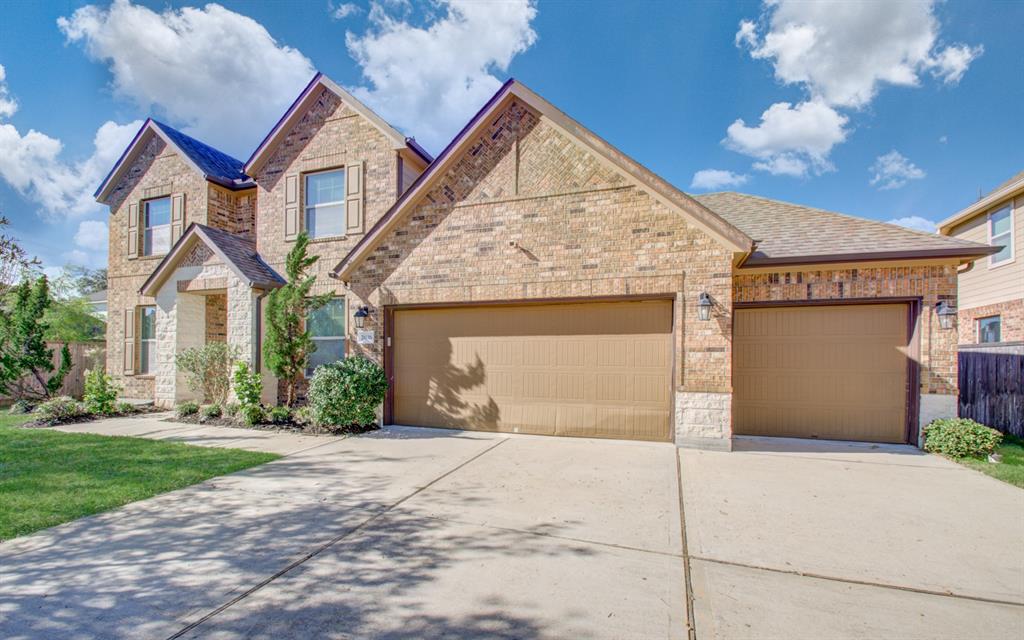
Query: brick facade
pixel 1011 315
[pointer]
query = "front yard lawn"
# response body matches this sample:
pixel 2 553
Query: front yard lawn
pixel 1012 467
pixel 50 477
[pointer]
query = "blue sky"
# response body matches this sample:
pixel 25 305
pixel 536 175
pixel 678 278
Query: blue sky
pixel 884 110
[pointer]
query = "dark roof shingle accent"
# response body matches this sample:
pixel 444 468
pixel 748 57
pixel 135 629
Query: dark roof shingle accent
pixel 241 252
pixel 215 165
pixel 788 233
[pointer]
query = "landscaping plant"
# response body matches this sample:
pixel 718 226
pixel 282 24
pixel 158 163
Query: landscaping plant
pixel 347 393
pixel 124 408
pixel 60 410
pixel 187 408
pixel 208 369
pixel 211 411
pixel 248 385
pixel 287 344
pixel 100 394
pixel 23 350
pixel 280 415
pixel 960 438
pixel 252 414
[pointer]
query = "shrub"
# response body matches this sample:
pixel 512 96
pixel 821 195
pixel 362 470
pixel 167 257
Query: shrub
pixel 20 407
pixel 100 395
pixel 124 408
pixel 187 408
pixel 248 385
pixel 62 409
pixel 208 369
pixel 231 409
pixel 960 438
pixel 252 414
pixel 280 415
pixel 211 411
pixel 347 392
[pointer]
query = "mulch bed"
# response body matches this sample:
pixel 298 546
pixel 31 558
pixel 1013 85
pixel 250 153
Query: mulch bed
pixel 287 427
pixel 40 424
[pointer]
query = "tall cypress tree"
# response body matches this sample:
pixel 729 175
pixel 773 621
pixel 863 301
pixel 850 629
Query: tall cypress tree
pixel 287 344
pixel 23 350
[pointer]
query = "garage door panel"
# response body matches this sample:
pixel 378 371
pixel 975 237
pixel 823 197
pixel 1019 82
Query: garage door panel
pixel 596 370
pixel 825 372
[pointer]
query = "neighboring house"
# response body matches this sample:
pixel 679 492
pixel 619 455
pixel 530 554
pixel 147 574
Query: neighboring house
pixel 532 279
pixel 98 302
pixel 991 303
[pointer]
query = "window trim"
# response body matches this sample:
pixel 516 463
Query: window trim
pixel 1013 240
pixel 306 371
pixel 977 328
pixel 140 313
pixel 306 207
pixel 144 214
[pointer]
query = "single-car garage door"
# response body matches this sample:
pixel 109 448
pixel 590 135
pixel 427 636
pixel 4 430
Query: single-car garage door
pixel 594 370
pixel 837 372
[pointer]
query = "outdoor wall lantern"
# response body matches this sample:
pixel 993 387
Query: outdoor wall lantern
pixel 946 313
pixel 704 305
pixel 361 314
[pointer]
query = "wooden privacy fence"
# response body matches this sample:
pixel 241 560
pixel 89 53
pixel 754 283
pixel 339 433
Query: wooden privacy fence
pixel 992 388
pixel 84 356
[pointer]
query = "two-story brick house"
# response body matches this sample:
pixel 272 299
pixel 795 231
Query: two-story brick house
pixel 532 279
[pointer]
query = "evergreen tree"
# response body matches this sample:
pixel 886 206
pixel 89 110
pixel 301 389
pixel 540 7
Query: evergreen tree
pixel 23 350
pixel 287 344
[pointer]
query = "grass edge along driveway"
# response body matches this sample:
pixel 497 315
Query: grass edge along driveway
pixel 50 477
pixel 1010 470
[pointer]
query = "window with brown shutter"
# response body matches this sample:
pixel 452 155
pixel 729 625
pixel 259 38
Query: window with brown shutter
pixel 177 216
pixel 133 230
pixel 291 206
pixel 354 198
pixel 129 341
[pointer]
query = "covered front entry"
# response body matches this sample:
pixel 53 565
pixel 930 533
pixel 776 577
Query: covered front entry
pixel 599 369
pixel 829 371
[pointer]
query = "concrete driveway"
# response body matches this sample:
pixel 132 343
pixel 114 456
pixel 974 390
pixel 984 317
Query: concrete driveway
pixel 405 533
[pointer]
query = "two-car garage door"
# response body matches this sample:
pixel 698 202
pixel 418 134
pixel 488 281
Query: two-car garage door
pixel 594 369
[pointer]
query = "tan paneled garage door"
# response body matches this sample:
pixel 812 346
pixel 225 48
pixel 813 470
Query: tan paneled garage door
pixel 595 370
pixel 837 372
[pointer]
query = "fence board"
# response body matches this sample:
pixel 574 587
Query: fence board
pixel 992 389
pixel 84 356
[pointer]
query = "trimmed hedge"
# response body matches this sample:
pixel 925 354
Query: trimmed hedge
pixel 347 393
pixel 960 438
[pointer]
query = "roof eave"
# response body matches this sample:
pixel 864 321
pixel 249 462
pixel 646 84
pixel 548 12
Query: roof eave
pixel 979 207
pixel 971 253
pixel 103 191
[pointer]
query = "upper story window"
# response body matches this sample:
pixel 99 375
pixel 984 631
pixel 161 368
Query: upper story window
pixel 989 329
pixel 147 339
pixel 325 203
pixel 1000 232
pixel 156 224
pixel 327 329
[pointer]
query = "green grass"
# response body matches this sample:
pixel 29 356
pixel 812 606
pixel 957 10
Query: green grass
pixel 48 477
pixel 1011 469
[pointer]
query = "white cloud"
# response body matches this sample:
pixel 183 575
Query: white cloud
pixel 893 170
pixel 431 79
pixel 92 234
pixel 707 179
pixel 343 10
pixel 841 52
pixel 916 223
pixel 790 140
pixel 8 105
pixel 943 139
pixel 217 73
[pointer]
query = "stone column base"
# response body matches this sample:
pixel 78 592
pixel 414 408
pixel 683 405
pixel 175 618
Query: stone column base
pixel 704 420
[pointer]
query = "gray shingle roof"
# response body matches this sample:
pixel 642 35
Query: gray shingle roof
pixel 241 253
pixel 787 233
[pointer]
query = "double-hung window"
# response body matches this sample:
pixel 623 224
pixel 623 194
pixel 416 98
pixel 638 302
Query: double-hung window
pixel 989 329
pixel 326 327
pixel 1000 233
pixel 147 339
pixel 325 203
pixel 156 224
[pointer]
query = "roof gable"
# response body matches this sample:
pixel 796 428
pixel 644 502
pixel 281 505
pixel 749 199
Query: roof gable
pixel 609 156
pixel 303 103
pixel 214 165
pixel 238 253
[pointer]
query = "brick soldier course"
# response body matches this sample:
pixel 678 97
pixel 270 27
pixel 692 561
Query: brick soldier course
pixel 525 205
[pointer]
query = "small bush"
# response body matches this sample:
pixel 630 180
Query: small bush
pixel 187 408
pixel 20 407
pixel 208 369
pixel 125 408
pixel 347 393
pixel 252 414
pixel 62 409
pixel 960 438
pixel 280 415
pixel 248 385
pixel 100 395
pixel 231 409
pixel 211 411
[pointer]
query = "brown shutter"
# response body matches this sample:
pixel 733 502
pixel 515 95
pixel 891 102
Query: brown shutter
pixel 354 198
pixel 133 230
pixel 177 216
pixel 129 341
pixel 291 206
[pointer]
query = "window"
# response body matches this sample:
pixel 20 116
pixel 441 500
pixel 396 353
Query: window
pixel 325 203
pixel 156 226
pixel 1000 232
pixel 147 339
pixel 988 329
pixel 327 328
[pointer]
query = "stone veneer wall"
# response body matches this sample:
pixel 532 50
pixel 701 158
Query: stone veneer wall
pixel 1011 314
pixel 534 216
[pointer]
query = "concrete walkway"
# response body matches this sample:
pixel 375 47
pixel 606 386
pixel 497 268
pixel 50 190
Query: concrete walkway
pixel 404 533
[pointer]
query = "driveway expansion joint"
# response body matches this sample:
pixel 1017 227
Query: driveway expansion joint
pixel 691 624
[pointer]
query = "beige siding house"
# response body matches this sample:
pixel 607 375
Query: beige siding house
pixel 532 279
pixel 991 291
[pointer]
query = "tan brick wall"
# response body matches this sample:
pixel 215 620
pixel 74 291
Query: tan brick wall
pixel 549 220
pixel 930 283
pixel 233 211
pixel 1011 314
